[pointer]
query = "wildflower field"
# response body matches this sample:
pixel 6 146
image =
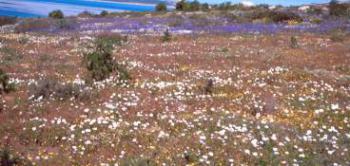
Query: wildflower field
pixel 220 93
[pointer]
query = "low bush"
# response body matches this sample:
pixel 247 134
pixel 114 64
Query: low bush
pixel 205 6
pixel 104 13
pixel 106 42
pixel 161 7
pixel 137 162
pixel 10 55
pixel 339 9
pixel 100 63
pixel 293 42
pixel 338 35
pixel 195 5
pixel 86 14
pixel 275 16
pixel 190 158
pixel 32 25
pixel 47 88
pixel 23 40
pixel 315 11
pixel 56 14
pixel 208 88
pixel 166 36
pixel 182 5
pixel 7 20
pixel 316 21
pixel 9 159
pixel 283 17
pixel 65 24
pixel 5 86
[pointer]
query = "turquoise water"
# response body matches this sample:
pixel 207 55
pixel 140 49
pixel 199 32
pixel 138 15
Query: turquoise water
pixel 41 8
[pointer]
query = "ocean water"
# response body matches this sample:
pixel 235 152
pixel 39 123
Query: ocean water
pixel 41 8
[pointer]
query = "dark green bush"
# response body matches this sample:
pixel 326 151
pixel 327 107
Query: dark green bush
pixel 32 24
pixel 10 55
pixel 56 14
pixel 338 35
pixel 316 21
pixel 161 7
pixel 100 63
pixel 205 6
pixel 7 20
pixel 137 162
pixel 263 6
pixel 293 42
pixel 5 86
pixel 47 88
pixel 106 42
pixel 284 16
pixel 86 14
pixel 194 6
pixel 190 158
pixel 230 6
pixel 208 89
pixel 314 10
pixel 7 159
pixel 182 5
pixel 123 73
pixel 338 9
pixel 166 36
pixel 104 13
pixel 65 24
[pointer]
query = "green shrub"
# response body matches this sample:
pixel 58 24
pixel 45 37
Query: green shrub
pixel 161 7
pixel 314 10
pixel 64 24
pixel 100 63
pixel 123 73
pixel 7 159
pixel 86 14
pixel 46 88
pixel 137 162
pixel 7 20
pixel 166 36
pixel 104 13
pixel 190 158
pixel 338 9
pixel 56 14
pixel 208 89
pixel 316 21
pixel 10 55
pixel 205 6
pixel 225 6
pixel 194 6
pixel 284 16
pixel 23 40
pixel 5 86
pixel 106 42
pixel 275 16
pixel 32 24
pixel 293 42
pixel 338 35
pixel 182 5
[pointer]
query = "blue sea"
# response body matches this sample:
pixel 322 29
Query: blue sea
pixel 41 8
